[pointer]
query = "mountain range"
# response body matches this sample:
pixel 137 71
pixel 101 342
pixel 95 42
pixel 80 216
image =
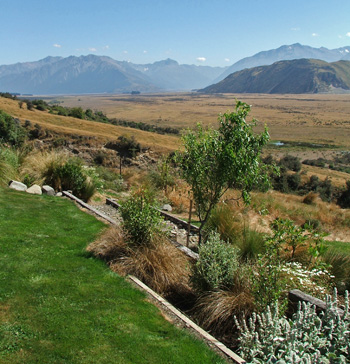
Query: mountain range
pixel 102 74
pixel 298 76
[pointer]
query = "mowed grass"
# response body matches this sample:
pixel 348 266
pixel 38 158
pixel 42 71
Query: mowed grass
pixel 60 305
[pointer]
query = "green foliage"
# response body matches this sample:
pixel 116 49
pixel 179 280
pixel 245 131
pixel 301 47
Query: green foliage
pixel 76 112
pixel 127 147
pixel 146 127
pixel 306 338
pixel 163 176
pixel 287 238
pixel 217 266
pixel 141 221
pixel 110 179
pixel 217 160
pixel 9 164
pixel 249 242
pixel 40 105
pixel 11 131
pixel 267 282
pixel 339 262
pixel 344 198
pixel 69 176
pixel 290 163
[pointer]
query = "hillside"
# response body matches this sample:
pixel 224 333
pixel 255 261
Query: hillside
pixel 288 77
pixel 285 53
pixel 100 74
pixel 72 127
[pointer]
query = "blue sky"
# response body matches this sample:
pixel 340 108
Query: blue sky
pixel 214 33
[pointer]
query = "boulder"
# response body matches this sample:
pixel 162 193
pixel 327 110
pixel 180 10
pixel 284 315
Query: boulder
pixel 18 186
pixel 34 190
pixel 48 190
pixel 167 207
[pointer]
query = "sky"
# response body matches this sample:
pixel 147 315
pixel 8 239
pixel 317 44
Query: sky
pixel 201 32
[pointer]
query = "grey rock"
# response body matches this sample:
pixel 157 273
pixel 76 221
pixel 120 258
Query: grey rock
pixel 48 190
pixel 59 194
pixel 167 207
pixel 34 190
pixel 18 186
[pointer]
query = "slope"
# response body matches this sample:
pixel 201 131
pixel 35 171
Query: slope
pixel 288 77
pixel 74 127
pixel 287 52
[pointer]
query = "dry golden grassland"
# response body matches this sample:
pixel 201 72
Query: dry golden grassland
pixel 74 127
pixel 305 118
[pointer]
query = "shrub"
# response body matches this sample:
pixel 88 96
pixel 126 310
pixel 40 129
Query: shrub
pixel 306 338
pixel 11 130
pixel 127 147
pixel 319 162
pixel 310 198
pixel 141 221
pixel 290 163
pixel 217 266
pixel 344 198
pixel 267 281
pixel 293 181
pixel 69 176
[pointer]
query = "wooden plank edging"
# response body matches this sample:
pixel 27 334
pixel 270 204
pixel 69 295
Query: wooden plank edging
pixel 219 345
pixel 174 219
pixel 87 206
pixel 296 296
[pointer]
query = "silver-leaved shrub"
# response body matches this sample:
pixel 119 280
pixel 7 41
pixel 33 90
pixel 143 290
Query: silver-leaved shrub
pixel 306 338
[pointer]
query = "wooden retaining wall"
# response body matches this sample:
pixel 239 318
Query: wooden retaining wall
pixel 295 296
pixel 183 224
pixel 189 323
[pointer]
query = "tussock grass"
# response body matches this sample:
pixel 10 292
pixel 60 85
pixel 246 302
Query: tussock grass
pixel 340 262
pixel 37 163
pixel 277 204
pixel 159 264
pixel 215 310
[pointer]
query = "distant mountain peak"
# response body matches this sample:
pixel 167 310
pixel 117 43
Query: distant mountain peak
pixel 286 52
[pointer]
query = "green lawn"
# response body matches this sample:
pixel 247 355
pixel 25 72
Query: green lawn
pixel 339 246
pixel 60 305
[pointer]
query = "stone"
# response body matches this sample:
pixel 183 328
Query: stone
pixel 48 190
pixel 18 186
pixel 34 190
pixel 59 194
pixel 167 207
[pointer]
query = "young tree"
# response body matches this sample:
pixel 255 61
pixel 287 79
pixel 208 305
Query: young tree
pixel 217 160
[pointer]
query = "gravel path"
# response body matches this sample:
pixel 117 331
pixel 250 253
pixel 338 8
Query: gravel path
pixel 176 233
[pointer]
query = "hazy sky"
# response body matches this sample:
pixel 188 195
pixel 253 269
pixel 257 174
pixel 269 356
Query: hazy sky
pixel 215 33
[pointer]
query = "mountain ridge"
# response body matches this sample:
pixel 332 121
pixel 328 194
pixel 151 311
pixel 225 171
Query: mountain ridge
pixel 103 74
pixel 287 52
pixel 284 77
